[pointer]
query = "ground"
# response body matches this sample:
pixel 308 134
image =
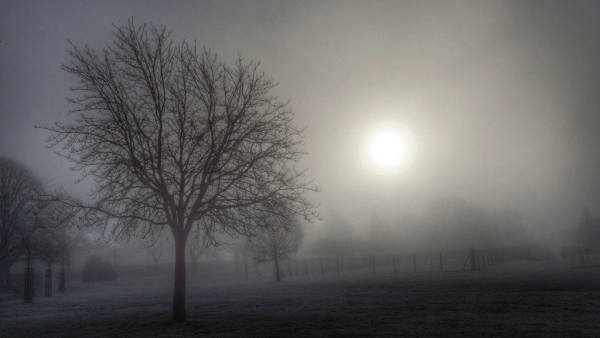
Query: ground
pixel 511 299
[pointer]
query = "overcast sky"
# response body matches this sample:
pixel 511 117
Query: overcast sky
pixel 500 100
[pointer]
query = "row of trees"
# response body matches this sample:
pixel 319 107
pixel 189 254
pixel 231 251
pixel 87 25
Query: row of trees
pixel 27 231
pixel 267 246
pixel 446 224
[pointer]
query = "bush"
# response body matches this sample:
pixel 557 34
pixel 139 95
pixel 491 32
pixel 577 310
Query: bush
pixel 96 270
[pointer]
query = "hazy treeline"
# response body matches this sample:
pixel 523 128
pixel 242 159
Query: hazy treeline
pixel 30 231
pixel 446 224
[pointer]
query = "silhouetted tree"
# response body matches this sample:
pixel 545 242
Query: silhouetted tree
pixel 198 246
pixel 155 247
pixel 276 245
pixel 588 231
pixel 453 223
pixel 69 241
pixel 32 241
pixel 17 186
pixel 174 139
pixel 50 249
pixel 95 270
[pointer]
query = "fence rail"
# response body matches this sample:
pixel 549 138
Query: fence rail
pixel 432 261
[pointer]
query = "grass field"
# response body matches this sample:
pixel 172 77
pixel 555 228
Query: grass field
pixel 512 299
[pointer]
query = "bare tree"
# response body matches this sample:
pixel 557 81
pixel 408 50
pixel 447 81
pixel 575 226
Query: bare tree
pixel 174 139
pixel 155 247
pixel 276 245
pixel 588 231
pixel 32 240
pixel 69 241
pixel 199 246
pixel 17 185
pixel 50 249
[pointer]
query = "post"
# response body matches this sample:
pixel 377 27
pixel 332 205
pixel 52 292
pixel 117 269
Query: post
pixel 414 263
pixel 441 263
pixel 394 258
pixel 48 283
pixel 373 264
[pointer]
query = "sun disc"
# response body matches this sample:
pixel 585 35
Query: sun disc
pixel 387 149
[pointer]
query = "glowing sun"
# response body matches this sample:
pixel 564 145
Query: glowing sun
pixel 388 149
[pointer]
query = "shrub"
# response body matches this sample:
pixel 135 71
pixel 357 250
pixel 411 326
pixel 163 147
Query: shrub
pixel 96 270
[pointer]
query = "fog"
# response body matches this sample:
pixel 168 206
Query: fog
pixel 498 100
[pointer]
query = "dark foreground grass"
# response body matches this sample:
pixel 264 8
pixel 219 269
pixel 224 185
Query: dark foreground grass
pixel 523 304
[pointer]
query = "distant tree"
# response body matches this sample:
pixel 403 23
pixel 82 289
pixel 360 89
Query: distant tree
pixel 155 247
pixel 276 245
pixel 95 269
pixel 17 186
pixel 69 240
pixel 32 241
pixel 172 138
pixel 199 247
pixel 453 223
pixel 588 231
pixel 50 249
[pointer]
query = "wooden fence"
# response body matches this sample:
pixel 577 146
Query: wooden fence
pixel 438 261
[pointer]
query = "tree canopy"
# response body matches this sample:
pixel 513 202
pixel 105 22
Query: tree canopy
pixel 175 139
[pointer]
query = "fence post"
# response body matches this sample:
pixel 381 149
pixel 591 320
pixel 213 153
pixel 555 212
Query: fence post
pixel 414 263
pixel 394 258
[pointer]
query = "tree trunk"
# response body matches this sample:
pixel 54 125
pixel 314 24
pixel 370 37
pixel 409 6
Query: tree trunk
pixel 179 290
pixel 7 280
pixel 276 260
